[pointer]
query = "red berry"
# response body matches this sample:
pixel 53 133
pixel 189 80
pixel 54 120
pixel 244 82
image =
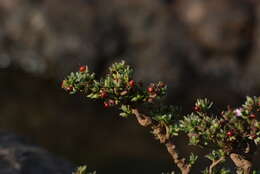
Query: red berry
pixel 197 109
pixel 252 116
pixel 131 83
pixel 150 89
pixel 82 68
pixel 230 133
pixel 103 94
pixel 69 89
pixel 106 104
pixel 111 102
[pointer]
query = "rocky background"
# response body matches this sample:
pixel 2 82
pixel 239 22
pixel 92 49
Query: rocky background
pixel 200 48
pixel 19 157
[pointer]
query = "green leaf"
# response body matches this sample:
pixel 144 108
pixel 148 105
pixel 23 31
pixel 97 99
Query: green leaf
pixel 123 114
pixel 193 158
pixel 93 96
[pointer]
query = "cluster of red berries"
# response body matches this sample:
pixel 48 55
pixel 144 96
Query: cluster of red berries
pixel 109 103
pixel 155 88
pixel 104 94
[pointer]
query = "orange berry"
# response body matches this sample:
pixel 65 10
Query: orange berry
pixel 82 68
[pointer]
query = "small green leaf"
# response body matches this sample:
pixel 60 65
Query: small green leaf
pixel 193 158
pixel 123 114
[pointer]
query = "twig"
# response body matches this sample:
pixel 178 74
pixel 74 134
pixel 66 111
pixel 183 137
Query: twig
pixel 183 166
pixel 241 163
pixel 162 133
pixel 214 164
pixel 143 120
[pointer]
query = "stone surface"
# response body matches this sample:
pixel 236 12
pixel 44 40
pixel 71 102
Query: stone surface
pixel 18 157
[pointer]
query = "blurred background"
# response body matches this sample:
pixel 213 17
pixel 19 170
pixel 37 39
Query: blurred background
pixel 200 48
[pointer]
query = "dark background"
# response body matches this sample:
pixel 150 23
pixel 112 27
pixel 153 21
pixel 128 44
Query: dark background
pixel 200 48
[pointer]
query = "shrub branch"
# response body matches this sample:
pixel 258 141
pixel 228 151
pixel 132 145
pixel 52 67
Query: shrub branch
pixel 234 130
pixel 146 121
pixel 241 163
